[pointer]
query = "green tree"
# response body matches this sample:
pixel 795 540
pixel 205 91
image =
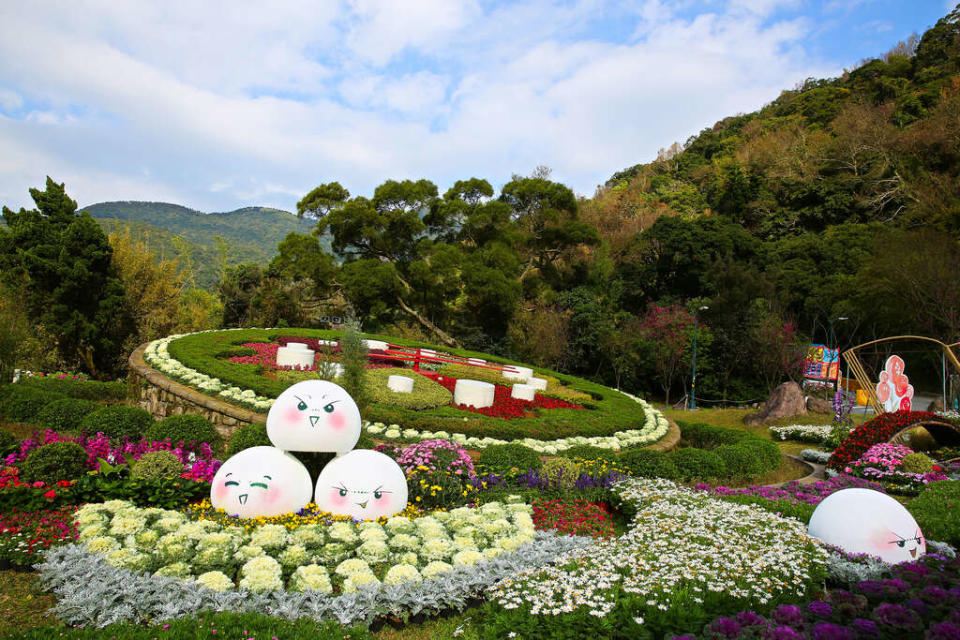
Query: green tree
pixel 73 289
pixel 322 200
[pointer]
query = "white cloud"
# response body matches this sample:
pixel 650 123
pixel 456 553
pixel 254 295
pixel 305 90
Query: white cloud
pixel 10 100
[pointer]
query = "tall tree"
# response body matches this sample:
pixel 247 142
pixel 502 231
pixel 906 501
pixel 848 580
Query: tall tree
pixel 73 288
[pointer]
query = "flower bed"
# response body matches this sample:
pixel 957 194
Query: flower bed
pixel 876 431
pixel 884 463
pixel 25 535
pixel 201 361
pixel 920 600
pixel 812 493
pixel 574 517
pixel 504 405
pixel 685 557
pixel 815 433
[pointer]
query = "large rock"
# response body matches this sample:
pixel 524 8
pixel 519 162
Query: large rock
pixel 819 405
pixel 785 401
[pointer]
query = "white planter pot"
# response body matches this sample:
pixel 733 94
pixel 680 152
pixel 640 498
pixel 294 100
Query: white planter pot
pixel 473 393
pixel 518 373
pixel 537 383
pixel 400 384
pixel 523 392
pixel 287 357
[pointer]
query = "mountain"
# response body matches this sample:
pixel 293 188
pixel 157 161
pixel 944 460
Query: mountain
pixel 250 234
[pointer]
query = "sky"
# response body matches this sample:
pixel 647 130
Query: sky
pixel 221 104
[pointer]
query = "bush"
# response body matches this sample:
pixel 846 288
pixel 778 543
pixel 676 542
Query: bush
pixel 916 463
pixel 741 462
pixel 23 403
pixel 502 458
pixel 648 463
pixel 118 421
pixel 207 625
pixel 561 473
pixel 586 452
pixel 249 435
pixel 186 428
pixel 54 462
pixel 66 414
pixel 704 436
pixel 765 450
pixel 157 465
pixel 82 389
pixel 426 393
pixel 8 443
pixel 437 489
pixel 937 511
pixel 697 463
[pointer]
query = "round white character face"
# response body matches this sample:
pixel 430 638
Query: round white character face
pixel 314 415
pixel 363 484
pixel 261 481
pixel 867 521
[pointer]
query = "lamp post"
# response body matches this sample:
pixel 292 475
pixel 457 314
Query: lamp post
pixel 693 376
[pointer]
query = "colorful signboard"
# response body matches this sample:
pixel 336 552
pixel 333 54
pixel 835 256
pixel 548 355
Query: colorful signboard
pixel 822 363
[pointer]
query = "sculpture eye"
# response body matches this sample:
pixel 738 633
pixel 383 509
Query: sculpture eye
pixel 329 408
pixel 258 484
pixel 900 543
pixel 302 406
pixel 231 483
pixel 343 493
pixel 378 494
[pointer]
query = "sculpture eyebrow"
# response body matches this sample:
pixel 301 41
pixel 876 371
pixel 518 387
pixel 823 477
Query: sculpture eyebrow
pixel 382 490
pixel 267 477
pixel 228 475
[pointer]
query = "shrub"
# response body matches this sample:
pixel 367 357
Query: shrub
pixel 648 463
pixel 8 442
pixel 586 452
pixel 437 454
pixel 937 511
pixel 697 463
pixel 704 436
pixel 765 450
pixel 561 473
pixel 741 462
pixel 249 435
pixel 54 462
pixel 23 403
pixel 916 463
pixel 207 625
pixel 65 414
pixel 502 458
pixel 353 357
pixel 426 393
pixel 83 389
pixel 157 465
pixel 118 421
pixel 436 489
pixel 185 428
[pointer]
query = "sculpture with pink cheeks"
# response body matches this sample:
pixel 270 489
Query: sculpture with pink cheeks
pixel 894 389
pixel 867 521
pixel 362 484
pixel 261 481
pixel 314 415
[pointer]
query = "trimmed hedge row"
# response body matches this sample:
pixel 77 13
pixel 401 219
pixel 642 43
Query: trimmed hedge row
pixel 426 393
pixel 608 412
pixel 82 389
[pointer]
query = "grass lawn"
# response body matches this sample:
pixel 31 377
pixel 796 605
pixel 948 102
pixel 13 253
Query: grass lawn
pixel 22 604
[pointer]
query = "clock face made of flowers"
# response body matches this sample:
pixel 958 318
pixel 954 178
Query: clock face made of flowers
pixel 362 484
pixel 314 415
pixel 867 521
pixel 261 481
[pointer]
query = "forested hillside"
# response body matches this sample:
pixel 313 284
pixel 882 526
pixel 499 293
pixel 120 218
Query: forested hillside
pixel 248 235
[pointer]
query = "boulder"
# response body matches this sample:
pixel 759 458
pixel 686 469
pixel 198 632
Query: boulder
pixel 819 405
pixel 936 405
pixel 785 401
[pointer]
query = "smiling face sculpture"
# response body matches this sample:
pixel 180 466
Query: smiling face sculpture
pixel 261 481
pixel 314 415
pixel 363 484
pixel 867 521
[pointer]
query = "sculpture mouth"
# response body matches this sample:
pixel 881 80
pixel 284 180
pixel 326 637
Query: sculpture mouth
pixel 243 498
pixel 363 505
pixel 913 553
pixel 314 420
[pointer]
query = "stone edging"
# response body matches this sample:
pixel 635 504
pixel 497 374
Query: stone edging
pixel 667 442
pixel 190 400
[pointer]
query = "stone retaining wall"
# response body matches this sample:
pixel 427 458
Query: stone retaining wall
pixel 164 397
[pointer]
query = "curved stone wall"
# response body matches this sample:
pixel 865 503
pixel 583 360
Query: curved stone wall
pixel 164 397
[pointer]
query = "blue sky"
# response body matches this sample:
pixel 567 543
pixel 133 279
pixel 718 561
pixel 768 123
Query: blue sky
pixel 223 104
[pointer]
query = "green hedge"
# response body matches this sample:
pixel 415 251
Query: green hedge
pixel 610 411
pixel 249 435
pixel 586 452
pixel 100 488
pixel 647 463
pixel 66 414
pixel 118 421
pixel 697 464
pixel 156 465
pixel 502 458
pixel 83 389
pixel 185 428
pixel 23 403
pixel 426 393
pixel 54 462
pixel 937 511
pixel 208 625
pixel 8 443
pixel 744 455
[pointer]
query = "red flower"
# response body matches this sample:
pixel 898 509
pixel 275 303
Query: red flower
pixel 50 495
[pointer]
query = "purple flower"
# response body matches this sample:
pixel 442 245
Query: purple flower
pixel 750 619
pixel 725 627
pixel 782 633
pixel 830 631
pixel 944 631
pixel 686 636
pixel 896 616
pixel 788 614
pixel 865 629
pixel 820 609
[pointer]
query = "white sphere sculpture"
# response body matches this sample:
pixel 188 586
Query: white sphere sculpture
pixel 314 415
pixel 523 392
pixel 362 484
pixel 473 393
pixel 867 521
pixel 400 384
pixel 261 481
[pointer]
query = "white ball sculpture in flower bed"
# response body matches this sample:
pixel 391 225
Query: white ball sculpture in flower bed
pixel 867 521
pixel 362 484
pixel 314 415
pixel 261 481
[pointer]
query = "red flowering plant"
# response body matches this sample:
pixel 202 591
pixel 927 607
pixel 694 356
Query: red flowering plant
pixel 504 405
pixel 574 517
pixel 24 535
pixel 876 431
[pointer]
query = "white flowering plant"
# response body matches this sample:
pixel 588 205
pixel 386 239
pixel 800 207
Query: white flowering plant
pixel 815 433
pixel 684 558
pixel 338 556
